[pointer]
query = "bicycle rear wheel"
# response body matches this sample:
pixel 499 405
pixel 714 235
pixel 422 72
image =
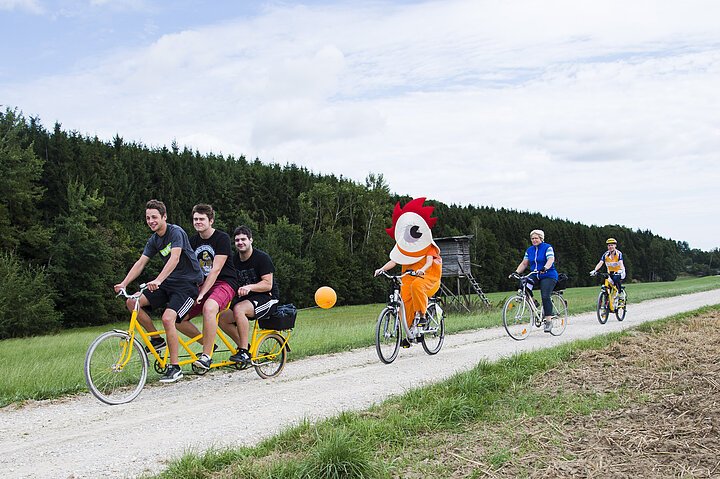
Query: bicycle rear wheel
pixel 115 367
pixel 603 307
pixel 434 331
pixel 271 356
pixel 387 335
pixel 560 314
pixel 517 318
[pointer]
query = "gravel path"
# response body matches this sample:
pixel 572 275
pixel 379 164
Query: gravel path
pixel 80 437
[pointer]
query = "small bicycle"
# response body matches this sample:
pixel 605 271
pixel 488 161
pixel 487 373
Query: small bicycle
pixel 610 300
pixel 391 325
pixel 116 363
pixel 522 313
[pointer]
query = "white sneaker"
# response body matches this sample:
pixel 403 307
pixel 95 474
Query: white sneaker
pixel 413 332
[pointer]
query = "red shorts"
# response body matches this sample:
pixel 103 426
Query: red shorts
pixel 221 292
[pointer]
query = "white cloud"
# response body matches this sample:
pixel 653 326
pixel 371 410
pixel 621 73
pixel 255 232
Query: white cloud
pixel 29 6
pixel 598 112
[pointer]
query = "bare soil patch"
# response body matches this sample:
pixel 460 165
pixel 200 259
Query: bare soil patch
pixel 662 417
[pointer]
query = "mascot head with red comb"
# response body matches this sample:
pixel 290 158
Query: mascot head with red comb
pixel 411 231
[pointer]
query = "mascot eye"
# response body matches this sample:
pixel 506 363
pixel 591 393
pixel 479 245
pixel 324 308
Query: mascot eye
pixel 412 235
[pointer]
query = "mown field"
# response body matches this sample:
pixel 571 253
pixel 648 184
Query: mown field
pixel 641 403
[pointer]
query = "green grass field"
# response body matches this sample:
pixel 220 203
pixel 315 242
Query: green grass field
pixel 52 366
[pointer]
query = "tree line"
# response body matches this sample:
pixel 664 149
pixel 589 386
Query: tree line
pixel 72 223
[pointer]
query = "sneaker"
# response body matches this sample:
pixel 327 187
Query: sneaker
pixel 422 321
pixel 548 326
pixel 203 361
pixel 242 357
pixel 172 374
pixel 158 343
pixel 405 343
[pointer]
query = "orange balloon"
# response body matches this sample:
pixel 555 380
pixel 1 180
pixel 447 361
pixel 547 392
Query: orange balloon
pixel 325 297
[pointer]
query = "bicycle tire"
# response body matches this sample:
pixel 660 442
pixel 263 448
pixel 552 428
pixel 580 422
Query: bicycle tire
pixel 621 311
pixel 106 377
pixel 603 307
pixel 271 356
pixel 517 318
pixel 387 335
pixel 560 314
pixel 434 331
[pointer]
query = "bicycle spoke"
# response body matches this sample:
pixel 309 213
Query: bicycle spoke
pixel 115 368
pixel 387 335
pixel 517 317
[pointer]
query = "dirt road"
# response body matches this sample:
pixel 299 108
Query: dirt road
pixel 80 437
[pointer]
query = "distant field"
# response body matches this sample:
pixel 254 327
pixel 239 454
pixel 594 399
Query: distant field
pixel 51 366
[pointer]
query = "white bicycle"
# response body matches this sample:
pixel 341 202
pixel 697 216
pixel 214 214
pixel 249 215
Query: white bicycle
pixel 522 313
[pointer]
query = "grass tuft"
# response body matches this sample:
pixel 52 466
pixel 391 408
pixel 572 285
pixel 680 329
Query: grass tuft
pixel 338 455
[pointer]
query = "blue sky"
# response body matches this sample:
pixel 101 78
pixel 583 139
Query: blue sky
pixel 596 112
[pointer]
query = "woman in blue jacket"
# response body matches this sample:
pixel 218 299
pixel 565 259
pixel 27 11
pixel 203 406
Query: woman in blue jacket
pixel 540 257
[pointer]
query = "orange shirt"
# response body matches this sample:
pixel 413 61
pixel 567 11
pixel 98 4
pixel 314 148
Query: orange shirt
pixel 434 272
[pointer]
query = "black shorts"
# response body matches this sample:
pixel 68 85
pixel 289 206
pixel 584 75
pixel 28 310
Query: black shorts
pixel 178 297
pixel 263 304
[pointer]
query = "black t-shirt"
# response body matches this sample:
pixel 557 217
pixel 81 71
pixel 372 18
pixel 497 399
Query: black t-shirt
pixel 188 269
pixel 251 271
pixel 206 250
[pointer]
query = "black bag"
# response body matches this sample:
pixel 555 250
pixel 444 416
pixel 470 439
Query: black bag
pixel 562 282
pixel 282 318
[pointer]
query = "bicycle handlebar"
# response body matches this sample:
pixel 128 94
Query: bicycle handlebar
pixel 519 276
pixel 125 294
pixel 390 276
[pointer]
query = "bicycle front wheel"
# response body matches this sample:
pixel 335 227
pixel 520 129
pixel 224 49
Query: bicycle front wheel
pixel 603 307
pixel 517 318
pixel 622 308
pixel 271 356
pixel 434 332
pixel 115 367
pixel 387 335
pixel 560 314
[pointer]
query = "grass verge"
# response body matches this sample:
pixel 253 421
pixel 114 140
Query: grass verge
pixel 403 436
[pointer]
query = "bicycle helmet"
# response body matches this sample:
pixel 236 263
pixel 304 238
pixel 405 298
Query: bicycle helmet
pixel 611 241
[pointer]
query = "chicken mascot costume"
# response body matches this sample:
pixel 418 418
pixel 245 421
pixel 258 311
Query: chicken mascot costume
pixel 415 250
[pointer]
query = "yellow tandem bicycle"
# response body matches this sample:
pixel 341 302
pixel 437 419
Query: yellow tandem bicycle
pixel 116 363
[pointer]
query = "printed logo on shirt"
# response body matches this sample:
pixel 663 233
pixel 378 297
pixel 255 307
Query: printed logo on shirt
pixel 205 255
pixel 166 250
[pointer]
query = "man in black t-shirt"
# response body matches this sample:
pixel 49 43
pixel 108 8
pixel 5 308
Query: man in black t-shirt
pixel 175 288
pixel 257 292
pixel 213 250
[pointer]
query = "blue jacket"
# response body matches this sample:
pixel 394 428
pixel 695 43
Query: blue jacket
pixel 537 256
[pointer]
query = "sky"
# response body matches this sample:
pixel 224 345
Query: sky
pixel 595 112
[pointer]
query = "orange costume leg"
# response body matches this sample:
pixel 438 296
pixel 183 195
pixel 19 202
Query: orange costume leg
pixel 415 291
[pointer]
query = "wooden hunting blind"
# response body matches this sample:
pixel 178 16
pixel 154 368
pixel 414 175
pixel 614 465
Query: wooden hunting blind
pixel 455 253
pixel 459 288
